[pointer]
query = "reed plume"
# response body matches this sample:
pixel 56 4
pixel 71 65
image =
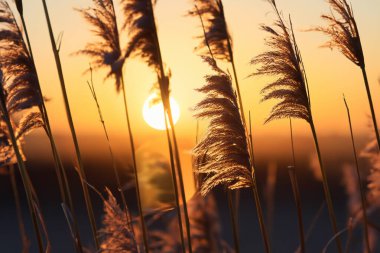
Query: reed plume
pixel 116 234
pixel 343 32
pixel 227 161
pixel 283 61
pixel 216 37
pixel 144 43
pixel 106 51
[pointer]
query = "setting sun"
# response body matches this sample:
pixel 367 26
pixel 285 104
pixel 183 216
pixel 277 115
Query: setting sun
pixel 153 112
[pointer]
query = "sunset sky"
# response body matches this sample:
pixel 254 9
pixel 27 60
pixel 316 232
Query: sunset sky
pixel 330 74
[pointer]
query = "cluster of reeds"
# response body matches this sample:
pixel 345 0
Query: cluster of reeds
pixel 224 157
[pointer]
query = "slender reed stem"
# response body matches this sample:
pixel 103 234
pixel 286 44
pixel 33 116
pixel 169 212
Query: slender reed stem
pixel 175 185
pixel 133 152
pixel 296 192
pixel 64 186
pixel 371 106
pixel 326 189
pixel 23 235
pixel 23 172
pixel 362 196
pixel 166 103
pixel 235 226
pixel 116 173
pixel 256 195
pixel 71 125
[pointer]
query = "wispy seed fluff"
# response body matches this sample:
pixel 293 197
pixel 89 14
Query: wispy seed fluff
pixel 225 143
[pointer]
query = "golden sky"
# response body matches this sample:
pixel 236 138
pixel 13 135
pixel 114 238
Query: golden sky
pixel 330 74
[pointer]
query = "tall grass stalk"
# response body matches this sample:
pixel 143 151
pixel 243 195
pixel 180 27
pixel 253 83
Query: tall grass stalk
pixel 63 183
pixel 235 226
pixel 137 183
pixel 175 186
pixel 362 195
pixel 296 192
pixel 284 62
pixel 256 195
pixel 23 235
pixel 86 194
pixel 23 171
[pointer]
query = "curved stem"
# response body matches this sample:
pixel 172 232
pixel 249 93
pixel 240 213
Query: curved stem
pixel 362 195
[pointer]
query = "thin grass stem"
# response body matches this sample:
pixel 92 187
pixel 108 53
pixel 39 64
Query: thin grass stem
pixel 235 226
pixel 71 125
pixel 296 192
pixel 362 195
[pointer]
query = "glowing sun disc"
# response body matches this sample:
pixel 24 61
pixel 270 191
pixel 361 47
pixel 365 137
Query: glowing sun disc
pixel 153 113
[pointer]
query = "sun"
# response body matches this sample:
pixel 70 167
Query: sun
pixel 153 112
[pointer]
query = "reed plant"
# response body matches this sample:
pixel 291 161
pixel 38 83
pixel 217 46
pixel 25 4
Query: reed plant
pixel 143 42
pixel 343 32
pixel 87 198
pixel 218 42
pixel 7 105
pixel 106 52
pixel 283 61
pixel 228 158
pixel 19 65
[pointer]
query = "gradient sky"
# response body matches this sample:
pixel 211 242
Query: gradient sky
pixel 330 74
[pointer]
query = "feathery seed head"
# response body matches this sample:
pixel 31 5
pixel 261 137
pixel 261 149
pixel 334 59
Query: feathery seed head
pixel 116 235
pixel 215 28
pixel 142 31
pixel 21 82
pixel 343 31
pixel 106 52
pixel 283 61
pixel 227 160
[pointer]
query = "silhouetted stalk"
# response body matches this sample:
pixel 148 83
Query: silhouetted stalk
pixel 371 106
pixel 23 235
pixel 256 195
pixel 362 195
pixel 166 104
pixel 326 189
pixel 114 167
pixel 63 183
pixel 71 125
pixel 175 185
pixel 133 152
pixel 23 171
pixel 296 192
pixel 235 227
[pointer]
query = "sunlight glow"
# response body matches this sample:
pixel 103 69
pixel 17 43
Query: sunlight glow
pixel 153 113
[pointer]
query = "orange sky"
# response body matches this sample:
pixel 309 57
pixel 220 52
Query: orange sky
pixel 330 74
